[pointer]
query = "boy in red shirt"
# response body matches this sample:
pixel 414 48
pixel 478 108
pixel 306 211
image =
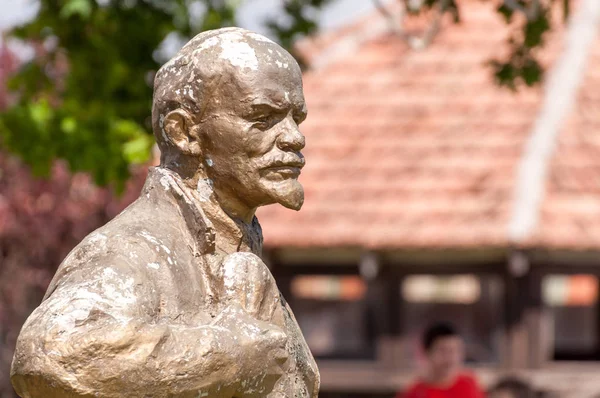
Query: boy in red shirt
pixel 444 376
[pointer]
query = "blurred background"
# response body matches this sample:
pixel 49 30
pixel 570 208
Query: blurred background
pixel 453 171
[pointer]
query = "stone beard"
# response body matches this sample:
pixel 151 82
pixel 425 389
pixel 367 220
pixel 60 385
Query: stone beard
pixel 171 298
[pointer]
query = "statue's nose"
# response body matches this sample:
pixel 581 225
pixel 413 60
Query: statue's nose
pixel 290 137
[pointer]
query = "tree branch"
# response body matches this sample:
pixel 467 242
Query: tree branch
pixel 414 41
pixel 513 5
pixel 434 28
pixel 395 21
pixel 530 12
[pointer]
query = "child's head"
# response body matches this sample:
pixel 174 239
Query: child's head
pixel 444 349
pixel 511 388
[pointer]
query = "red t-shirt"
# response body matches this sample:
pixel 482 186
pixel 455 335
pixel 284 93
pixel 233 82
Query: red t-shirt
pixel 464 386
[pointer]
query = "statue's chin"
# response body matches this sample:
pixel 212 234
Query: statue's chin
pixel 288 193
pixel 293 202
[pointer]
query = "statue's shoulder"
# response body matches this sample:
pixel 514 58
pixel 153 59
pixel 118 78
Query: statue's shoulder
pixel 150 236
pixel 128 243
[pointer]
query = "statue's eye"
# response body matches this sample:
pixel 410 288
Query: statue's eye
pixel 262 122
pixel 299 117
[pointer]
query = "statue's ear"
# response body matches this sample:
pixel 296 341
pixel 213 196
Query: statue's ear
pixel 178 126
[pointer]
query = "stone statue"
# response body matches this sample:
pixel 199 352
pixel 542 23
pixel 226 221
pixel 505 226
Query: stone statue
pixel 171 298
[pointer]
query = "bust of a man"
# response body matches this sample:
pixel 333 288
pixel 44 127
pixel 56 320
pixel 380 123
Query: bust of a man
pixel 171 298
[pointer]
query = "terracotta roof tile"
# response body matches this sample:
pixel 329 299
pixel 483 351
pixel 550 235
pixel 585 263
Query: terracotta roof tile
pixel 419 148
pixel 570 213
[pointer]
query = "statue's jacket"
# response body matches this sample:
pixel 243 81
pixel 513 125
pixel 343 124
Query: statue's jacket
pixel 140 309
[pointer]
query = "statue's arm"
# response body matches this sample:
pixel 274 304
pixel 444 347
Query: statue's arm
pixel 99 334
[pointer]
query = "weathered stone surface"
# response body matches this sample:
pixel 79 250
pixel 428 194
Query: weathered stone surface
pixel 171 298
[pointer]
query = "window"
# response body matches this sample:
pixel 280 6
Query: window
pixel 465 289
pixel 473 303
pixel 333 313
pixel 572 300
pixel 329 288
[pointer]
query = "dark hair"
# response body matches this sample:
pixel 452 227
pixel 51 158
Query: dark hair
pixel 517 387
pixel 437 331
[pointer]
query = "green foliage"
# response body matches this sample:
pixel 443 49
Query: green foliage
pixel 82 8
pixel 531 20
pixel 448 6
pixel 86 97
pixel 522 65
pixel 219 14
pixel 506 12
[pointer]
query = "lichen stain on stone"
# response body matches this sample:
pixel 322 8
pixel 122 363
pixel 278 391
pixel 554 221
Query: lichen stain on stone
pixel 281 64
pixel 239 54
pixel 118 288
pixel 258 37
pixel 97 238
pixel 149 237
pixel 205 189
pixel 213 41
pixel 164 181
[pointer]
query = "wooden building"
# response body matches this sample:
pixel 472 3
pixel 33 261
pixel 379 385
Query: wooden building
pixel 431 193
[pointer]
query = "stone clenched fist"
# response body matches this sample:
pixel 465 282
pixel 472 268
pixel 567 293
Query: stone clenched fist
pixel 251 297
pixel 249 283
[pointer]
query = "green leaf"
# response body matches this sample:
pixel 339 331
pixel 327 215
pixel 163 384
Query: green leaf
pixel 566 9
pixel 531 72
pixel 138 150
pixel 40 113
pixel 97 116
pixel 68 125
pixel 534 30
pixel 505 74
pixel 82 8
pixel 506 12
pixel 127 129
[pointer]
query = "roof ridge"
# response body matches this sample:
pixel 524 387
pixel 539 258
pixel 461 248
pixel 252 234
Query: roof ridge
pixel 560 96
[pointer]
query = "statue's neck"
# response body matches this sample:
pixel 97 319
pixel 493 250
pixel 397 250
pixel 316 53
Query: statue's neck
pixel 193 174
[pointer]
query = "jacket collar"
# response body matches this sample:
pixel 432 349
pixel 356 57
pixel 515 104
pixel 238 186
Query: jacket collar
pixel 213 229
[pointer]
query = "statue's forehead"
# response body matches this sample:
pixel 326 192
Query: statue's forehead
pixel 242 50
pixel 271 84
pixel 278 96
pixel 238 65
pixel 253 64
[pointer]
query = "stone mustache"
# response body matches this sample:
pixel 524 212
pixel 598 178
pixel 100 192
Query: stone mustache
pixel 171 298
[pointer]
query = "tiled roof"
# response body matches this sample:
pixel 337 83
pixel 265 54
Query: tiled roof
pixel 570 213
pixel 409 149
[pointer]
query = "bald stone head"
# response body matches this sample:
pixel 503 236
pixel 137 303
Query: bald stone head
pixel 227 109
